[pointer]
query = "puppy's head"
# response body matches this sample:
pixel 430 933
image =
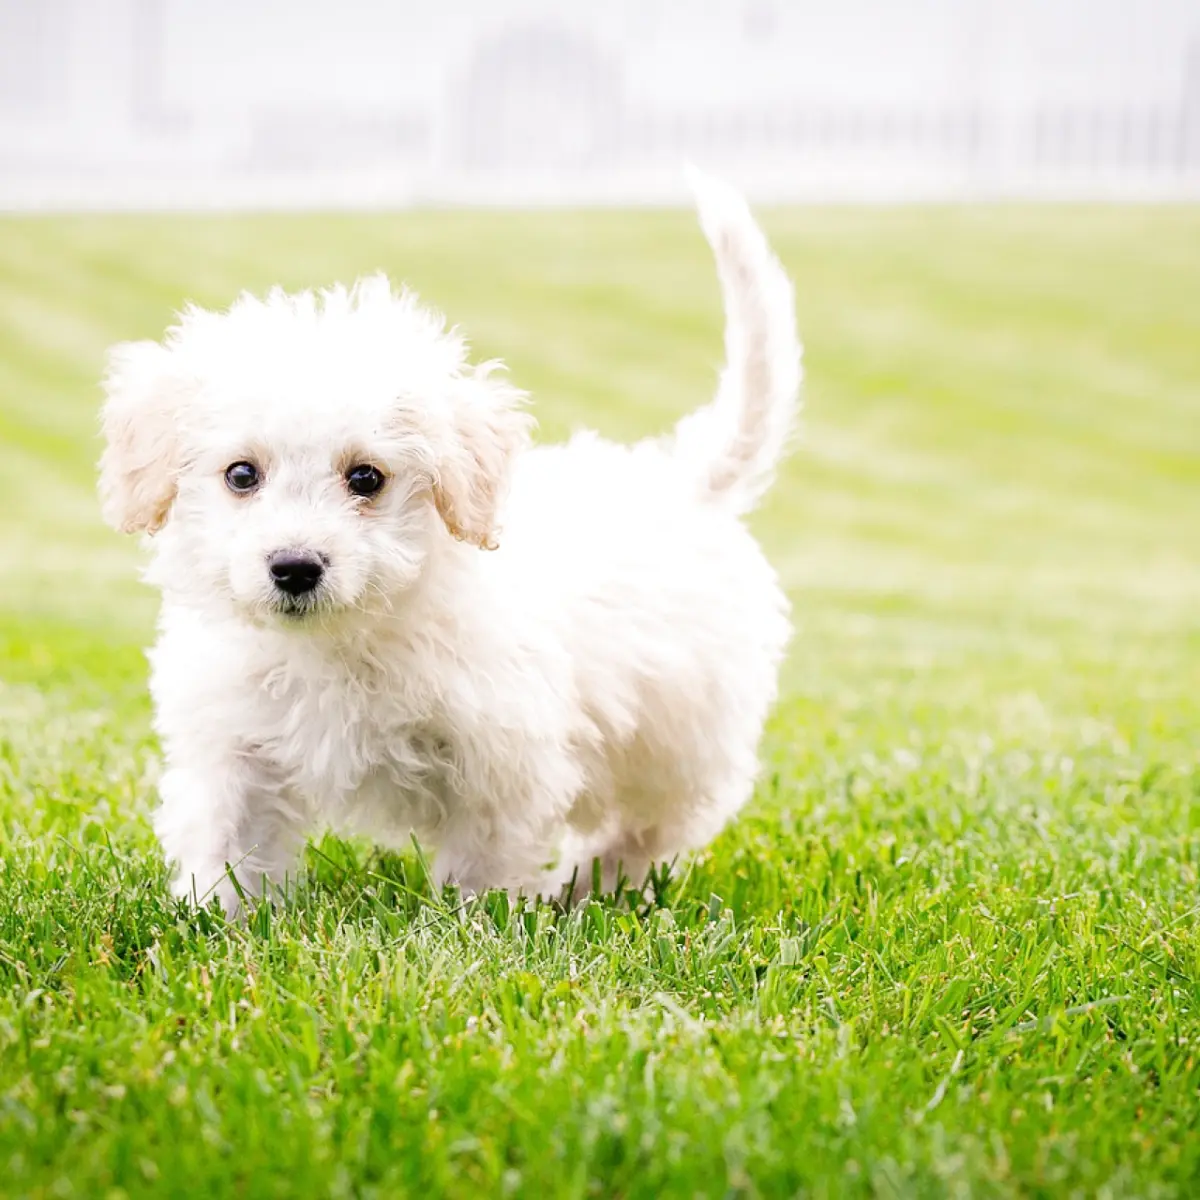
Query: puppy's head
pixel 302 455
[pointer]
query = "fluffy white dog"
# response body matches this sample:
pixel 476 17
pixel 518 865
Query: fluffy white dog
pixel 384 612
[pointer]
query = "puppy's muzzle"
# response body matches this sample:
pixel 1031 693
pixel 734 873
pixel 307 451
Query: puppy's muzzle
pixel 295 572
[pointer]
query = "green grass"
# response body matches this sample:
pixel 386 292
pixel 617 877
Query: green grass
pixel 950 950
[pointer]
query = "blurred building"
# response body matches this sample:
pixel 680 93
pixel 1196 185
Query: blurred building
pixel 142 103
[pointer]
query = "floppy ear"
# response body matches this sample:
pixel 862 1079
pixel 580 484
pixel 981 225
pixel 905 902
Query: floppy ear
pixel 140 462
pixel 486 428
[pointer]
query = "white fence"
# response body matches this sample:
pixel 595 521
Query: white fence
pixel 192 103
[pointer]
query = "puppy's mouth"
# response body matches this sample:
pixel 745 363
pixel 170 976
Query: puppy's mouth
pixel 295 609
pixel 315 608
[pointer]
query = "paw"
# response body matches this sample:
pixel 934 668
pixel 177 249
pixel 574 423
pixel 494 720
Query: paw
pixel 199 886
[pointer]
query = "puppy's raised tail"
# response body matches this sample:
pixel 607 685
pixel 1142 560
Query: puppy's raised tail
pixel 735 443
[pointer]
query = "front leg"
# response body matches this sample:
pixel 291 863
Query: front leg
pixel 230 816
pixel 510 848
pixel 511 797
pixel 507 864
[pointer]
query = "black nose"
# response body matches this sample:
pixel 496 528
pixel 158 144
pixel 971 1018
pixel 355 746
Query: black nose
pixel 294 572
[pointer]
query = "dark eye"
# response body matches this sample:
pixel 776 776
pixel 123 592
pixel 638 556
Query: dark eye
pixel 241 477
pixel 364 480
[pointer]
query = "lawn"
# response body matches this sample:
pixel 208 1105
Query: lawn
pixel 951 949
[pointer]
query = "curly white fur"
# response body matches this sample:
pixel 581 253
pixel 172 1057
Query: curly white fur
pixel 593 687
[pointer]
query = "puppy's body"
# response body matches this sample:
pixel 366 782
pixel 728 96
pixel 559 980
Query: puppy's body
pixel 595 686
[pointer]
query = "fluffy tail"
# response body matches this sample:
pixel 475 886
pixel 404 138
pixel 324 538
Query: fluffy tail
pixel 735 443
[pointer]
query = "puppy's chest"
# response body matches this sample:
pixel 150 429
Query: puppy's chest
pixel 345 734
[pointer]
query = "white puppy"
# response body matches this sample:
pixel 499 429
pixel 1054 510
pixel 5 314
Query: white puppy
pixel 385 613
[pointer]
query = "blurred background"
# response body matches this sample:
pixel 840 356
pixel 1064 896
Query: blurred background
pixel 1001 450
pixel 182 103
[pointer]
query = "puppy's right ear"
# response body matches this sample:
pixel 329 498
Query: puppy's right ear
pixel 141 459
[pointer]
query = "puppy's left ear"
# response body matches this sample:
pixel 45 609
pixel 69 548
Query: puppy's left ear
pixel 141 459
pixel 487 428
